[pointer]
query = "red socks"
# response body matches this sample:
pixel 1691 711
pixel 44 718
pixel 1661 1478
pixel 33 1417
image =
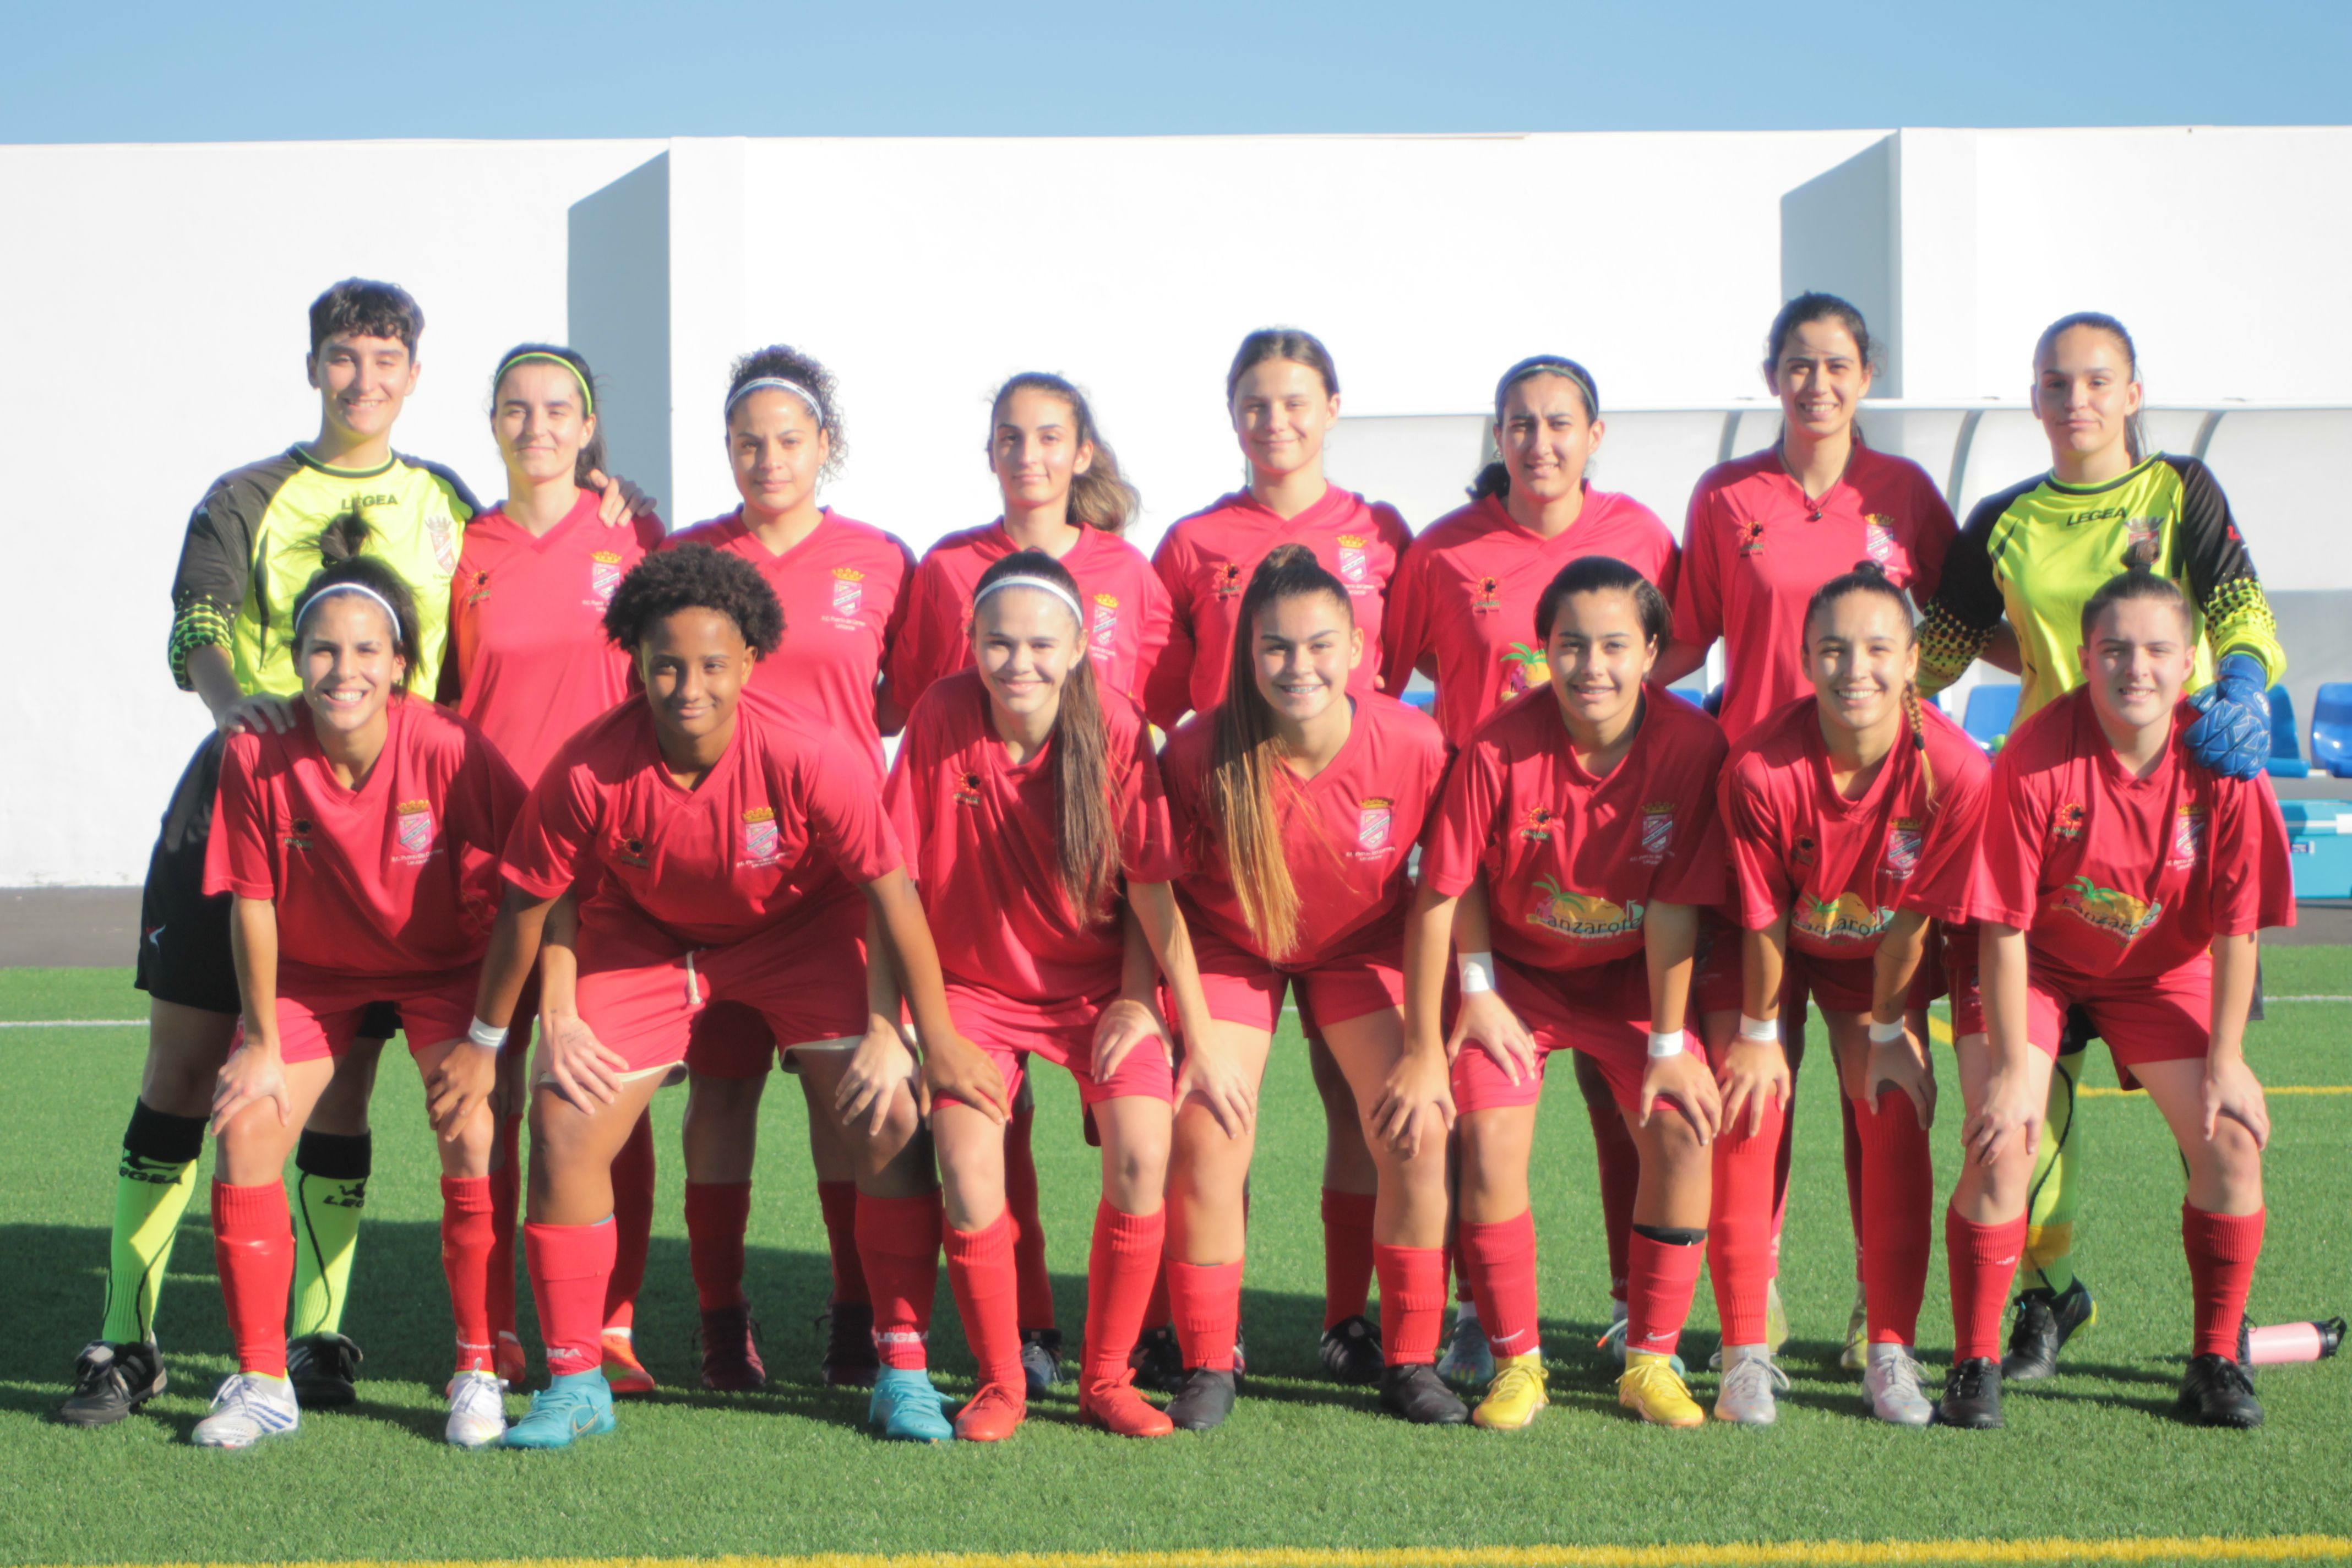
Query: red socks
pixel 898 1244
pixel 1782 1160
pixel 468 1236
pixel 1158 1313
pixel 716 1215
pixel 1347 1254
pixel 2222 1251
pixel 1851 1136
pixel 253 1243
pixel 633 1223
pixel 980 1272
pixel 1739 1228
pixel 1500 1262
pixel 1206 1302
pixel 1028 1230
pixel 1412 1303
pixel 1983 1263
pixel 1898 1185
pixel 837 1201
pixel 1121 1269
pixel 506 1205
pixel 1658 1289
pixel 1621 1178
pixel 571 1268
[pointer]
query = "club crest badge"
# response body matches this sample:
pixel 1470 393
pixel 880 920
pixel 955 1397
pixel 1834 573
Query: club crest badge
pixel 1657 829
pixel 604 576
pixel 2189 836
pixel 443 532
pixel 416 829
pixel 762 841
pixel 1878 538
pixel 1372 819
pixel 1102 637
pixel 1904 839
pixel 1355 563
pixel 849 590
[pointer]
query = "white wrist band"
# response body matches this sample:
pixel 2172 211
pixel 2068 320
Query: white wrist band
pixel 1885 1033
pixel 1763 1031
pixel 1665 1046
pixel 1477 972
pixel 482 1035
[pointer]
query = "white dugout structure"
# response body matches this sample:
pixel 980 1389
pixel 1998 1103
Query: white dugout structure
pixel 152 331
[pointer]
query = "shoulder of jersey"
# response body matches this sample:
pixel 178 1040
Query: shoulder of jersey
pixel 1460 526
pixel 448 477
pixel 872 532
pixel 947 700
pixel 707 532
pixel 1778 740
pixel 1217 508
pixel 1989 510
pixel 1122 715
pixel 1513 726
pixel 1947 742
pixel 961 540
pixel 2045 737
pixel 1397 717
pixel 1685 718
pixel 1876 465
pixel 1385 514
pixel 1732 471
pixel 265 475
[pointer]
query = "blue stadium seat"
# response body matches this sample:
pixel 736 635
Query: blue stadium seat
pixel 2287 757
pixel 1991 707
pixel 2331 728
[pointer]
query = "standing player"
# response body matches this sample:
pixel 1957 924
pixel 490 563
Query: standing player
pixel 360 846
pixel 1588 816
pixel 725 833
pixel 1282 393
pixel 529 664
pixel 1458 612
pixel 1031 809
pixel 1297 805
pixel 2122 875
pixel 2036 552
pixel 842 585
pixel 1853 817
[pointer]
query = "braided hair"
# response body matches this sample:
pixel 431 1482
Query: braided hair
pixel 1870 577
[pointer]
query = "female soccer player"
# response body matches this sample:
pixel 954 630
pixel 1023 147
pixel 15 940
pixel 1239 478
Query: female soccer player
pixel 1031 808
pixel 1458 613
pixel 2103 506
pixel 1282 393
pixel 841 584
pixel 1588 817
pixel 361 848
pixel 726 834
pixel 529 665
pixel 1297 805
pixel 2120 875
pixel 1854 817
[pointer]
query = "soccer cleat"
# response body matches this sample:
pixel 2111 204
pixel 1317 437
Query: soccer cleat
pixel 1041 1358
pixel 1747 1395
pixel 569 1409
pixel 730 1351
pixel 994 1413
pixel 1613 1344
pixel 506 1356
pixel 1514 1396
pixel 1891 1387
pixel 1775 1318
pixel 849 1360
pixel 907 1409
pixel 477 1410
pixel 1241 1357
pixel 1654 1390
pixel 2043 1324
pixel 1350 1351
pixel 1204 1401
pixel 1971 1396
pixel 625 1374
pixel 323 1367
pixel 1856 1354
pixel 248 1408
pixel 1468 1359
pixel 1416 1393
pixel 1159 1362
pixel 1119 1410
pixel 2216 1392
pixel 112 1381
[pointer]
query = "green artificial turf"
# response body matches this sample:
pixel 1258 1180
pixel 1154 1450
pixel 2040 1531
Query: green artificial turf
pixel 2093 1453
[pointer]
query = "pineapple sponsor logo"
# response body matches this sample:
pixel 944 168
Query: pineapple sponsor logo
pixel 1905 838
pixel 762 841
pixel 1846 917
pixel 414 831
pixel 1581 917
pixel 2188 835
pixel 2117 913
pixel 604 577
pixel 1525 668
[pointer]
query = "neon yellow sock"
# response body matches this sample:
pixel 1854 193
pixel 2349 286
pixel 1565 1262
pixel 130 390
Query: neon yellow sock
pixel 326 1208
pixel 2048 1260
pixel 149 1196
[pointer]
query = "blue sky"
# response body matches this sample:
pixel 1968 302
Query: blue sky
pixel 147 72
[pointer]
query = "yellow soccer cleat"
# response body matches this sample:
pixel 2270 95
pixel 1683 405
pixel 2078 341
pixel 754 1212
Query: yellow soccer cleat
pixel 1651 1389
pixel 1776 1318
pixel 1515 1396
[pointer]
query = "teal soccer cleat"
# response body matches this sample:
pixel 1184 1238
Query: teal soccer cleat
pixel 907 1409
pixel 567 1409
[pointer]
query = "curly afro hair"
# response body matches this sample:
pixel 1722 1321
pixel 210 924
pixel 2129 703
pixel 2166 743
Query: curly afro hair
pixel 695 577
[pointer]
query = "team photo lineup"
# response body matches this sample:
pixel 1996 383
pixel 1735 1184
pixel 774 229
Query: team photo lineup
pixel 581 808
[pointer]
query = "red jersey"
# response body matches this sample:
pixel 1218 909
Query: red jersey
pixel 1754 549
pixel 397 876
pixel 1841 869
pixel 527 627
pixel 1206 560
pixel 763 842
pixel 1126 610
pixel 2114 877
pixel 1346 833
pixel 843 592
pixel 1573 861
pixel 1462 607
pixel 980 836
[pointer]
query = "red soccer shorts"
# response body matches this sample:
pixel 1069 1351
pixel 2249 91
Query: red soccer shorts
pixel 319 1010
pixel 1006 1030
pixel 2167 1018
pixel 1603 1011
pixel 1717 973
pixel 1243 988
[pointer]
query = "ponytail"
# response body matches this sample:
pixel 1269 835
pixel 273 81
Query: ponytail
pixel 342 566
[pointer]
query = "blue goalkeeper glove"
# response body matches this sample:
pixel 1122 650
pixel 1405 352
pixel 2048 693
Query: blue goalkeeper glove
pixel 2233 737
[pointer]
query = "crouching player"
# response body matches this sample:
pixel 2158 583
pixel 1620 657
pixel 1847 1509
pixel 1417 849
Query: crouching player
pixel 725 835
pixel 2120 875
pixel 1853 817
pixel 362 847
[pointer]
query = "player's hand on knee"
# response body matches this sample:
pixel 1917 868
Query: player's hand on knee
pixel 1488 1023
pixel 459 1086
pixel 2233 1094
pixel 1122 1026
pixel 1904 1065
pixel 1685 1078
pixel 253 1073
pixel 1416 1102
pixel 2008 1120
pixel 879 1064
pixel 956 1069
pixel 584 1070
pixel 1214 1079
pixel 1754 1074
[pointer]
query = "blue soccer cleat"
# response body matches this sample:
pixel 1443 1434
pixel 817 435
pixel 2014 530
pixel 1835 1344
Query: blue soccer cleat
pixel 907 1409
pixel 567 1409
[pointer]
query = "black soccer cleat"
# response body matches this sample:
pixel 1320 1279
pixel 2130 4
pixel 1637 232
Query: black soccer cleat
pixel 1417 1394
pixel 111 1381
pixel 322 1368
pixel 1971 1396
pixel 1204 1402
pixel 1040 1360
pixel 1350 1351
pixel 1158 1361
pixel 2043 1324
pixel 2216 1392
pixel 849 1359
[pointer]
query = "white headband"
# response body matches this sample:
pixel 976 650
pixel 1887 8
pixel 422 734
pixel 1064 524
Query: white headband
pixel 765 382
pixel 1043 586
pixel 348 587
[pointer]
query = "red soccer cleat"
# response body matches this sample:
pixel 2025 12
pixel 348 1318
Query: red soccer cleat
pixel 1119 1410
pixel 994 1413
pixel 623 1370
pixel 730 1351
pixel 508 1361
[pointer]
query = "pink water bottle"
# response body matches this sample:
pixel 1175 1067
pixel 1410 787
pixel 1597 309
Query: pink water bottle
pixel 2279 1342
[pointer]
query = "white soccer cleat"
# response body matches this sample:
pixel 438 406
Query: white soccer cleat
pixel 1750 1385
pixel 1891 1387
pixel 477 1410
pixel 248 1408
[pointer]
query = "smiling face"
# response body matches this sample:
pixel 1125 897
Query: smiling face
pixel 2084 394
pixel 351 664
pixel 1546 437
pixel 1025 641
pixel 1820 378
pixel 1035 451
pixel 1306 646
pixel 2137 660
pixel 778 450
pixel 694 663
pixel 539 421
pixel 362 382
pixel 1598 657
pixel 1282 411
pixel 1860 654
